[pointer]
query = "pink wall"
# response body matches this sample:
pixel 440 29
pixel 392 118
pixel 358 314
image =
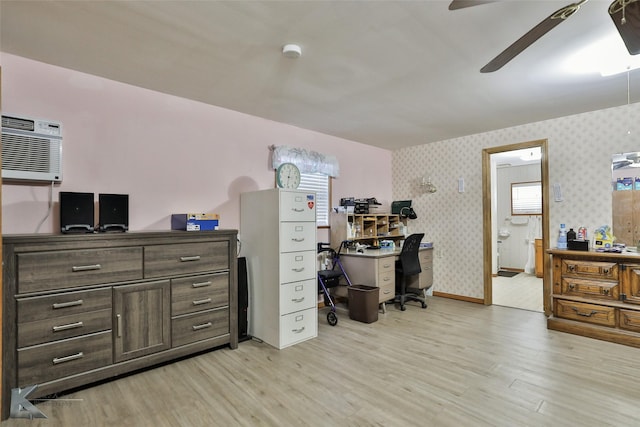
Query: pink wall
pixel 170 154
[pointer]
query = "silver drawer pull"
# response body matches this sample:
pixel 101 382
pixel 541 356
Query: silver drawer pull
pixel 201 284
pixel 86 267
pixel 76 356
pixel 297 299
pixel 118 325
pixel 386 279
pixel 386 291
pixel 68 326
pixel 300 239
pixel 190 258
pixel 297 210
pixel 584 314
pixel 297 331
pixel 386 266
pixel 203 326
pixel 202 301
pixel 67 304
pixel 298 270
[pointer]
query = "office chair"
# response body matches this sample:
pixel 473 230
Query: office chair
pixel 408 265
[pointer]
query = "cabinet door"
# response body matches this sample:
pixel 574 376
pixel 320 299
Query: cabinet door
pixel 142 319
pixel 631 283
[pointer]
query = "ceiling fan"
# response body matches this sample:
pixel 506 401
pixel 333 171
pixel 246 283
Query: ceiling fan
pixel 624 13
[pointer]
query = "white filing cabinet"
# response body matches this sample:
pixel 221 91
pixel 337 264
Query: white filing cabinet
pixel 278 237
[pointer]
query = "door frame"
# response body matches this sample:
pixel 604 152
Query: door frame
pixel 487 219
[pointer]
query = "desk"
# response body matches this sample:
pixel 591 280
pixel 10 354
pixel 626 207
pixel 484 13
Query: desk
pixel 377 267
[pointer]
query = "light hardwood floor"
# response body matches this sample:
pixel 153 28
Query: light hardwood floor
pixel 520 291
pixel 453 364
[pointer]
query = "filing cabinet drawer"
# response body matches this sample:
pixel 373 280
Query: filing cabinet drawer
pixel 58 328
pixel 386 279
pixel 426 257
pixel 585 312
pixel 199 326
pixel 296 266
pixel 45 271
pixel 47 362
pixel 590 269
pixel 297 206
pixel 298 326
pixel 298 296
pixel 297 236
pixel 386 264
pixel 387 292
pixel 185 258
pixel 590 288
pixel 630 320
pixel 63 304
pixel 197 293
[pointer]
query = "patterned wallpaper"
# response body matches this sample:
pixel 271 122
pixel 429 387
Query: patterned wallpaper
pixel 580 149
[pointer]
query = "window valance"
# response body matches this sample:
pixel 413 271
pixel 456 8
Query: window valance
pixel 307 161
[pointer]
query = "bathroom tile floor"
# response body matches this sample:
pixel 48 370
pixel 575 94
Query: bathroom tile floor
pixel 522 291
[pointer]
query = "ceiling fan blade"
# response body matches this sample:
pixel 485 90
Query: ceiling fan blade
pixel 461 4
pixel 531 37
pixel 626 17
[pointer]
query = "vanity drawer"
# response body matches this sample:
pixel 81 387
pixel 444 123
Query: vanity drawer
pixel 298 326
pixel 296 266
pixel 298 296
pixel 199 326
pixel 43 271
pixel 63 304
pixel 47 362
pixel 185 258
pixel 590 269
pixel 590 288
pixel 630 320
pixel 585 312
pixel 58 328
pixel 197 293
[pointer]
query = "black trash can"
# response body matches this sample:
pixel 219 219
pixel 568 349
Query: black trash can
pixel 363 303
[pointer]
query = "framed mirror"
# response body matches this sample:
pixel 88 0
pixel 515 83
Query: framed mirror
pixel 625 185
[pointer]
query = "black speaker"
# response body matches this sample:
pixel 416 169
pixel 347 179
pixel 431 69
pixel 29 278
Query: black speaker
pixel 243 300
pixel 76 212
pixel 113 212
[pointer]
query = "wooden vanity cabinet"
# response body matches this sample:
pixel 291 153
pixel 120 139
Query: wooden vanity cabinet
pixel 80 308
pixel 596 295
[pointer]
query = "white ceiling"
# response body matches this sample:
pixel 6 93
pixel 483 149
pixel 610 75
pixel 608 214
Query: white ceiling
pixel 386 73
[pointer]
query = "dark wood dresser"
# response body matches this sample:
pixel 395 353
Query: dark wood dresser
pixel 86 307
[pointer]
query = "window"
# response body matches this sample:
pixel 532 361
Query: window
pixel 526 198
pixel 321 184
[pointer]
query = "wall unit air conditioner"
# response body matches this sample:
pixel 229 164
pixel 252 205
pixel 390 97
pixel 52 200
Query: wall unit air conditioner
pixel 31 149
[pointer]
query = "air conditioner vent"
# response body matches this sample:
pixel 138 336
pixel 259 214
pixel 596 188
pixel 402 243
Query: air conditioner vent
pixel 29 154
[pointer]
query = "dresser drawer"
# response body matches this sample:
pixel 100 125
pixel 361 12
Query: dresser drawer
pixel 584 312
pixel 297 206
pixel 590 288
pixel 197 293
pixel 296 266
pixel 386 265
pixel 199 326
pixel 43 271
pixel 630 320
pixel 47 362
pixel 58 328
pixel 185 258
pixel 590 269
pixel 297 236
pixel 298 326
pixel 298 296
pixel 63 304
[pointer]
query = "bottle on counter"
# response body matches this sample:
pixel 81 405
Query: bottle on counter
pixel 571 235
pixel 562 237
pixel 582 233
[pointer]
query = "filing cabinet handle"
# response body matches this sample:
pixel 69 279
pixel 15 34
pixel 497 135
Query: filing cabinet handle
pixel 301 239
pixel 57 360
pixel 202 301
pixel 201 284
pixel 86 267
pixel 297 299
pixel 119 325
pixel 298 270
pixel 190 258
pixel 66 304
pixel 584 314
pixel 386 291
pixel 297 331
pixel 297 210
pixel 68 326
pixel 202 326
pixel 386 279
pixel 386 266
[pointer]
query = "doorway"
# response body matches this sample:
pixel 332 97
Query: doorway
pixel 491 222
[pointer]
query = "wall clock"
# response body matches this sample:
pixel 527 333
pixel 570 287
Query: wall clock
pixel 288 176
